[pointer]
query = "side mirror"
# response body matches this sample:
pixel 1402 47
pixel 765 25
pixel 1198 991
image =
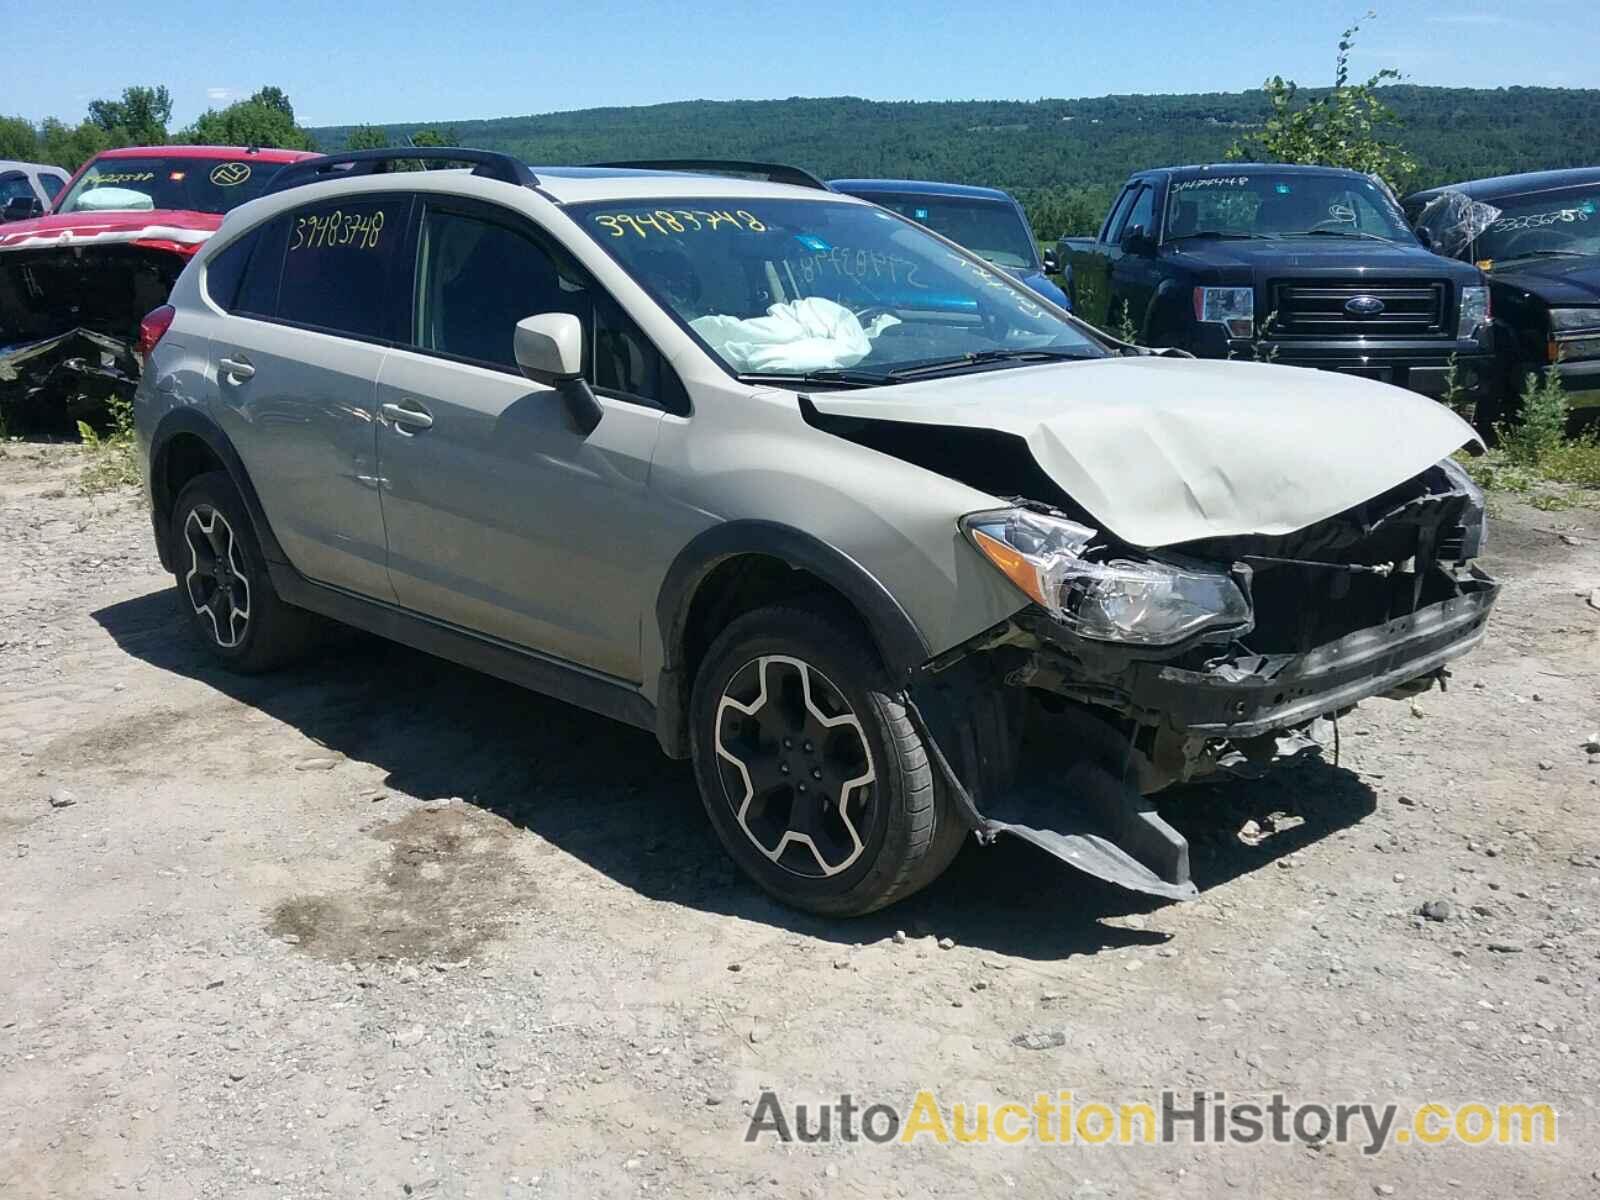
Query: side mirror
pixel 549 350
pixel 1425 236
pixel 1052 262
pixel 22 208
pixel 1136 240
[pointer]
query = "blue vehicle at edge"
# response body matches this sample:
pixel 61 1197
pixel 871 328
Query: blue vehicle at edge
pixel 987 221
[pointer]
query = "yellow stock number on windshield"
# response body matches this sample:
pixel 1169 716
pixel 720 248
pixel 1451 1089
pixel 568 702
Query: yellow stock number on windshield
pixel 670 222
pixel 336 229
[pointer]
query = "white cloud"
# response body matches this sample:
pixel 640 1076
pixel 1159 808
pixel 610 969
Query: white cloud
pixel 218 95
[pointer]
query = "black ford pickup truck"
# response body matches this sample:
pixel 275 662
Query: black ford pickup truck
pixel 1537 237
pixel 1306 266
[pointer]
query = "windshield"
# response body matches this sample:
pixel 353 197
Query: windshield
pixel 788 287
pixel 1551 223
pixel 212 185
pixel 989 228
pixel 1271 204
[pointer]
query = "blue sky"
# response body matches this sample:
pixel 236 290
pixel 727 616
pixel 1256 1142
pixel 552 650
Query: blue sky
pixel 353 61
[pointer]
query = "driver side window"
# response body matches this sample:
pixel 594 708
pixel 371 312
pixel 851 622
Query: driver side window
pixel 15 186
pixel 1142 213
pixel 476 278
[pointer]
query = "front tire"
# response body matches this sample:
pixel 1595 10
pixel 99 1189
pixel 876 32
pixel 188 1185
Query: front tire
pixel 223 587
pixel 810 769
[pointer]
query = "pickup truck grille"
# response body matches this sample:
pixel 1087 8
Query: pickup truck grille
pixel 1314 308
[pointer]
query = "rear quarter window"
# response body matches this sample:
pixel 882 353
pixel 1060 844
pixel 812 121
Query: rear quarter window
pixel 336 266
pixel 225 270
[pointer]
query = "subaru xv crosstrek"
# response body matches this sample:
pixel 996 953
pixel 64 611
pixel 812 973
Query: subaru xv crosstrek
pixel 895 551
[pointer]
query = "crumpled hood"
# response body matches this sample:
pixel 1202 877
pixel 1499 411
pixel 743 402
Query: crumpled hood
pixel 1556 281
pixel 86 228
pixel 1164 450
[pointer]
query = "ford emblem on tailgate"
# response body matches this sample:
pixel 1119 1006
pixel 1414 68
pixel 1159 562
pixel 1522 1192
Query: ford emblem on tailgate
pixel 1363 306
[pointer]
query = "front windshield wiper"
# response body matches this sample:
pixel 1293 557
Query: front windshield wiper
pixel 975 358
pixel 1345 233
pixel 1545 254
pixel 838 376
pixel 1220 235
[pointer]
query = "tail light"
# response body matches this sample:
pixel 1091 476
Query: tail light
pixel 152 329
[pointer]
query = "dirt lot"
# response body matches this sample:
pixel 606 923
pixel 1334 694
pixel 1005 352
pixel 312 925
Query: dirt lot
pixel 250 958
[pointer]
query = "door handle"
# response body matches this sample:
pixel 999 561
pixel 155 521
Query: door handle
pixel 404 415
pixel 238 368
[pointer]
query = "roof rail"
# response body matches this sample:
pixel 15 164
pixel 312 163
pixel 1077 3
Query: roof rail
pixel 489 163
pixel 771 172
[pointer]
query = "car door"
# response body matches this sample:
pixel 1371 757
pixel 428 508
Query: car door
pixel 296 366
pixel 1091 298
pixel 1135 276
pixel 502 516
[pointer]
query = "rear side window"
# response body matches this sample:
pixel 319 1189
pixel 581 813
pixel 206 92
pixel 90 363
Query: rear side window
pixel 339 261
pixel 225 270
pixel 52 185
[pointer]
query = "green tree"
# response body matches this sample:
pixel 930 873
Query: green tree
pixel 259 121
pixel 71 146
pixel 18 139
pixel 274 97
pixel 368 137
pixel 138 119
pixel 1340 128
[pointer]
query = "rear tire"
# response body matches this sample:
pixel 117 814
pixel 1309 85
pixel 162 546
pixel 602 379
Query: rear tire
pixel 810 769
pixel 223 587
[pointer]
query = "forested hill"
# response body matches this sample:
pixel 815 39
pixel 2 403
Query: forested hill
pixel 1061 155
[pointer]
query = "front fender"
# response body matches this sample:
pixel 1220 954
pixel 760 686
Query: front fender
pixel 899 642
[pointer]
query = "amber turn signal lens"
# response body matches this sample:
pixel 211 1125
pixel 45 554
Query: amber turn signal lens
pixel 1012 565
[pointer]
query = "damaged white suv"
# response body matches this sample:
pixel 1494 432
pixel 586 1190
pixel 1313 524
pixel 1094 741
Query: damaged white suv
pixel 827 503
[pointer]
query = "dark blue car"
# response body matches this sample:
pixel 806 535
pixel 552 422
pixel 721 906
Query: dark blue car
pixel 986 221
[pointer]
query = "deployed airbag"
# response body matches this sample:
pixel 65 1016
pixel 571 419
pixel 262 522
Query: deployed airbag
pixel 114 199
pixel 813 334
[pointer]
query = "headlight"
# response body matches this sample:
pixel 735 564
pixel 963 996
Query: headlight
pixel 1569 320
pixel 1574 333
pixel 1120 601
pixel 1475 311
pixel 1234 307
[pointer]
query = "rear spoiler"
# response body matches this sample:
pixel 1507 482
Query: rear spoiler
pixel 771 172
pixel 490 164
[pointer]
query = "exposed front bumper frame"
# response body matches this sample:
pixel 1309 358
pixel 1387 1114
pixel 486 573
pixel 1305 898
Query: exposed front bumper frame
pixel 1286 691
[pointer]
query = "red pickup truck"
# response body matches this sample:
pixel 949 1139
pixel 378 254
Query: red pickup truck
pixel 75 282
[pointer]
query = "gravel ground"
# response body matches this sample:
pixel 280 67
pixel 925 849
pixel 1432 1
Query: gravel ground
pixel 379 926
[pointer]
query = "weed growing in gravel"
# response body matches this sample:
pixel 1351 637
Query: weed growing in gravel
pixel 1536 451
pixel 1544 420
pixel 1454 396
pixel 112 461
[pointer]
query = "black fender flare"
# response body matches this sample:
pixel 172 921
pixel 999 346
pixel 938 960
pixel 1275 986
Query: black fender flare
pixel 896 636
pixel 194 422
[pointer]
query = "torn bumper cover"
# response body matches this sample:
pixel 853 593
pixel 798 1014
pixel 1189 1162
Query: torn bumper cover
pixel 1374 602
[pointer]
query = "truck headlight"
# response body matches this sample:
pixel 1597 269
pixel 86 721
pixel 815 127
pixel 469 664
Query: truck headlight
pixel 1571 320
pixel 1574 333
pixel 1233 307
pixel 1475 311
pixel 1147 603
